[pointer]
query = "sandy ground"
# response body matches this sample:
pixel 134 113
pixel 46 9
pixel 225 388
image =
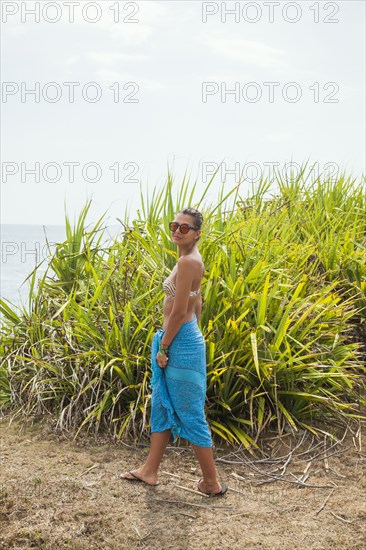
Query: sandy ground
pixel 59 494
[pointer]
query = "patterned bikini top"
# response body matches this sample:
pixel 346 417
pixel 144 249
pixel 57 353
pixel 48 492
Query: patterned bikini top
pixel 170 288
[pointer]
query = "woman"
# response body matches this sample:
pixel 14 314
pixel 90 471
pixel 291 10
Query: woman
pixel 178 355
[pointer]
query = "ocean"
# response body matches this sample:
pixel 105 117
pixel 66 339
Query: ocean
pixel 22 248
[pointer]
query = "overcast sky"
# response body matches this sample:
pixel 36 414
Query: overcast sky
pixel 163 71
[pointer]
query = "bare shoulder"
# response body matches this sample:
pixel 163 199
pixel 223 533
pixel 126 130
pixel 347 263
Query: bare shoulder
pixel 191 262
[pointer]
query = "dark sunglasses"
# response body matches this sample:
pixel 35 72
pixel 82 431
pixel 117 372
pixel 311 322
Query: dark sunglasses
pixel 183 227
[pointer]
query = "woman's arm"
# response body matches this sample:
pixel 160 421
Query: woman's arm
pixel 180 306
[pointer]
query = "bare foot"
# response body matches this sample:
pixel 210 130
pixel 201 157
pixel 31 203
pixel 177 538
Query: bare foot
pixel 149 479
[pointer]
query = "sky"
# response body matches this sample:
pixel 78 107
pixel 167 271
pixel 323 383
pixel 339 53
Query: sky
pixel 125 91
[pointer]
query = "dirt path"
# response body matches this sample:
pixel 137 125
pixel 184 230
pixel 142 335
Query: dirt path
pixel 56 494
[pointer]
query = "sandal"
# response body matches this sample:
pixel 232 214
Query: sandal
pixel 136 478
pixel 223 490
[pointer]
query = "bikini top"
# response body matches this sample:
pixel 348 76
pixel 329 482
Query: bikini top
pixel 170 288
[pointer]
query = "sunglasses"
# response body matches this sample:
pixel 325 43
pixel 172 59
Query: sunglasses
pixel 183 227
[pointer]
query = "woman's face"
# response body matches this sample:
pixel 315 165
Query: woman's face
pixel 191 236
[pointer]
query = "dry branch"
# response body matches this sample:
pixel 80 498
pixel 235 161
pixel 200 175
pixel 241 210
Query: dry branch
pixel 324 503
pixel 192 504
pixel 341 519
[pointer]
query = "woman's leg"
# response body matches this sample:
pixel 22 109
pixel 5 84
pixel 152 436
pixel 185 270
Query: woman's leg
pixel 205 457
pixel 149 471
pixel 159 441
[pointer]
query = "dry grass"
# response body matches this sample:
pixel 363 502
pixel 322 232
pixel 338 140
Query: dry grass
pixel 297 493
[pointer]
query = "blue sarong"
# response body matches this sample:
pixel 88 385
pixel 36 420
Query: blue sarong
pixel 179 389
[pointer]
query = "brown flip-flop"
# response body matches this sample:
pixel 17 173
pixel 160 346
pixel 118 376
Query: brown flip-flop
pixel 223 490
pixel 136 478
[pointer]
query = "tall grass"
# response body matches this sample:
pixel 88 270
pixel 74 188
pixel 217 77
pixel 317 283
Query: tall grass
pixel 283 313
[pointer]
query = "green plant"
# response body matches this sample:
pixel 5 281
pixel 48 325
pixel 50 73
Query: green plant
pixel 283 314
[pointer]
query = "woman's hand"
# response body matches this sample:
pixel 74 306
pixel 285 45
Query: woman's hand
pixel 162 359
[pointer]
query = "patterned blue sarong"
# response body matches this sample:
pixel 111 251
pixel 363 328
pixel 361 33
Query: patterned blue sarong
pixel 179 390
